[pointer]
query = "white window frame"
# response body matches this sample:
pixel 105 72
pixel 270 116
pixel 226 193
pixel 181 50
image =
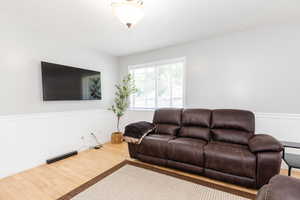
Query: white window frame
pixel 162 62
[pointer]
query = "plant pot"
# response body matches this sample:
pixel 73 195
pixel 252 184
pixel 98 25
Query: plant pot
pixel 116 137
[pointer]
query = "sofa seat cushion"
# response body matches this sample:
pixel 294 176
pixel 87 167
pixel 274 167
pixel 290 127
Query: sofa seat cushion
pixel 187 150
pixel 155 145
pixel 230 158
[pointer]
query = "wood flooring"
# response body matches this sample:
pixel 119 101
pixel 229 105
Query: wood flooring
pixel 50 182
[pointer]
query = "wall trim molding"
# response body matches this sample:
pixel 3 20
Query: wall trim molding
pixel 27 116
pixel 277 115
pixel 257 114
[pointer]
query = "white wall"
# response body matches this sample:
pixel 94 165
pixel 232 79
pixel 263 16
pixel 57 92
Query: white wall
pixel 27 140
pixel 256 70
pixel 20 74
pixel 31 33
pixel 32 130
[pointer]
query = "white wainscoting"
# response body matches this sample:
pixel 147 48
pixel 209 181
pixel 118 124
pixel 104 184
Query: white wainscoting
pixel 28 140
pixel 281 126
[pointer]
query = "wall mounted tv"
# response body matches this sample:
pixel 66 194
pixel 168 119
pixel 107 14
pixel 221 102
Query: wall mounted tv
pixel 69 83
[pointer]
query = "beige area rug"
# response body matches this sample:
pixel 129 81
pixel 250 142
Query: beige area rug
pixel 134 181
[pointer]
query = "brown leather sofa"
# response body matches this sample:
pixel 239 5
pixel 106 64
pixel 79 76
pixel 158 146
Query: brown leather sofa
pixel 280 188
pixel 219 144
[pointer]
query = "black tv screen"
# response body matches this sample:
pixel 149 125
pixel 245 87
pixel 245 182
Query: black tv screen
pixel 69 83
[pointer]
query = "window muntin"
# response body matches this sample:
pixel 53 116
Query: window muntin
pixel 160 84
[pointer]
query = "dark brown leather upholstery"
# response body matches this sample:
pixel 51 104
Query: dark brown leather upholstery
pixel 167 129
pixel 168 121
pixel 187 150
pixel 234 126
pixel 219 144
pixel 196 123
pixel 239 180
pixel 261 143
pixel 268 165
pixel 280 188
pixel 155 145
pixel 151 159
pixel 230 158
pixel 185 167
pixel 133 150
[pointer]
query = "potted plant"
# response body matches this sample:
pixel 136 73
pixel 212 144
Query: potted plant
pixel 121 104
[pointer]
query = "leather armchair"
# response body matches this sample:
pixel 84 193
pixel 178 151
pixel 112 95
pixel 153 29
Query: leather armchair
pixel 280 188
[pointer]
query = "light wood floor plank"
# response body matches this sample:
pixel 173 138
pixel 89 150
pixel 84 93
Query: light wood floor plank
pixel 49 182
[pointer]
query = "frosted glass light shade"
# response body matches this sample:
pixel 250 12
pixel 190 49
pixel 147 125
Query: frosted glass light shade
pixel 129 12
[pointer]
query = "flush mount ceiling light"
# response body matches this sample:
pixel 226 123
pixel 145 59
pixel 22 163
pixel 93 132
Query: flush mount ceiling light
pixel 129 12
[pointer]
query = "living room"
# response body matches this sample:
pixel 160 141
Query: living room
pixel 236 59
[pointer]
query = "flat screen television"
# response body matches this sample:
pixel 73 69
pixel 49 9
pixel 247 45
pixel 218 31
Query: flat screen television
pixel 62 82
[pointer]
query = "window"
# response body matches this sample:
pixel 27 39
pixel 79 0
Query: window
pixel 160 84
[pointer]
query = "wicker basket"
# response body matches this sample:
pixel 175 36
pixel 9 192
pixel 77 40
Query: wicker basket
pixel 116 137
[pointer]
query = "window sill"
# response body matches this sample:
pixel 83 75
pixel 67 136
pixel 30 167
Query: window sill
pixel 148 109
pixel 142 109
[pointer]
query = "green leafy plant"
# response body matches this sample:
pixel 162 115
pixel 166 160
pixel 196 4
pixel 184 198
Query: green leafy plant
pixel 121 102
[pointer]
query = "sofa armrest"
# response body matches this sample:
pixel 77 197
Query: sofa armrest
pixel 268 164
pixel 263 143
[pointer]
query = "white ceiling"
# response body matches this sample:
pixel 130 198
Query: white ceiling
pixel 90 23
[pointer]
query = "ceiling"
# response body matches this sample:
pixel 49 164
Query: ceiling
pixel 90 23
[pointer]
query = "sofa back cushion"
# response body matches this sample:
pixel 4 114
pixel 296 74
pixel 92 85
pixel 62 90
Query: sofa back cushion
pixel 196 123
pixel 234 126
pixel 167 121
